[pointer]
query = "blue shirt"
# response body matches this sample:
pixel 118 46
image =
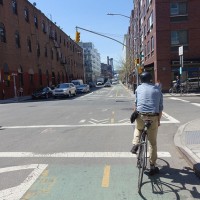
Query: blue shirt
pixel 148 98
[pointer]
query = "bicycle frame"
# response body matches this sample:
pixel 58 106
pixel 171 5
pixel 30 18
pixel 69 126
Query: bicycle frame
pixel 142 154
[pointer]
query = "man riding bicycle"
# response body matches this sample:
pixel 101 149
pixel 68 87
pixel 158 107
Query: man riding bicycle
pixel 149 104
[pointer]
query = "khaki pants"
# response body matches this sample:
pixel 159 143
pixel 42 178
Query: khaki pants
pixel 151 133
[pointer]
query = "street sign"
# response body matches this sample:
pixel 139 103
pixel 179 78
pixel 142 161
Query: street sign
pixel 180 50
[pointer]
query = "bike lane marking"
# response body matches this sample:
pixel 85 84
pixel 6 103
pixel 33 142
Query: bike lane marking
pixel 16 193
pixel 80 182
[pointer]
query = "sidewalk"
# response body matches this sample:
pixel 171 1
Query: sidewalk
pixel 15 100
pixel 187 140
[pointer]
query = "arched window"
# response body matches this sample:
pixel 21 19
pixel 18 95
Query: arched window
pixel 2 33
pixel 29 44
pixel 26 14
pixel 14 6
pixel 17 39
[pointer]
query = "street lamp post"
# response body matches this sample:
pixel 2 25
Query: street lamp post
pixel 131 51
pixel 119 15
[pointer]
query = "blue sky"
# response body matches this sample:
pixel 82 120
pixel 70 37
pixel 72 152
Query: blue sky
pixel 92 15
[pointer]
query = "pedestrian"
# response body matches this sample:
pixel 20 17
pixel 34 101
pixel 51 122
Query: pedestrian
pixel 149 104
pixel 21 91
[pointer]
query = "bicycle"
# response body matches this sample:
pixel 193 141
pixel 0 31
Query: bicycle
pixel 180 90
pixel 142 153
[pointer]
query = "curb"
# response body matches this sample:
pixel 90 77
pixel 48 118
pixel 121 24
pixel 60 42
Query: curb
pixel 190 157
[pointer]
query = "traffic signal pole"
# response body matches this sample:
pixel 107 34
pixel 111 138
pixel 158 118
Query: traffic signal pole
pixel 100 35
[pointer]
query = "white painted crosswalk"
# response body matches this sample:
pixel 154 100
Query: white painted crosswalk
pixel 75 155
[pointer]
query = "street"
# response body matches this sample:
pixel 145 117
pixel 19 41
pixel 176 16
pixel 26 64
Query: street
pixel 79 148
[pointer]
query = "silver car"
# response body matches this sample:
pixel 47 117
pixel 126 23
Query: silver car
pixel 64 90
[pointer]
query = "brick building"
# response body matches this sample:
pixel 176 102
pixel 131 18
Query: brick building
pixel 34 52
pixel 158 29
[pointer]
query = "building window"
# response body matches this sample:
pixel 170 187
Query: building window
pixel 29 44
pixel 150 22
pixel 14 6
pixel 45 52
pixel 2 33
pixel 178 8
pixel 36 21
pixel 17 40
pixel 38 50
pixel 26 14
pixel 148 48
pixel 52 54
pixel 152 43
pixel 1 2
pixel 179 37
pixel 55 34
pixel 44 27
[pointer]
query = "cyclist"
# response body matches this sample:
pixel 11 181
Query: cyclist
pixel 178 83
pixel 149 104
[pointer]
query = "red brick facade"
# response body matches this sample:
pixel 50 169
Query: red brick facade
pixel 34 49
pixel 174 23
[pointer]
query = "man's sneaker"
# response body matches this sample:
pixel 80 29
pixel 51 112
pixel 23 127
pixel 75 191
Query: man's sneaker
pixel 153 170
pixel 134 149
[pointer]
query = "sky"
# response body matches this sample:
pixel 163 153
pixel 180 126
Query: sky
pixel 92 15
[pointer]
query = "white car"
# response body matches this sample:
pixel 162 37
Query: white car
pixel 64 90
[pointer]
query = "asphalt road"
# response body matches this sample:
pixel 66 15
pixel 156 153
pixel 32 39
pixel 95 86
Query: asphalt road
pixel 78 149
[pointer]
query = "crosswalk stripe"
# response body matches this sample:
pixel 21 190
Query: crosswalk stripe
pixel 75 155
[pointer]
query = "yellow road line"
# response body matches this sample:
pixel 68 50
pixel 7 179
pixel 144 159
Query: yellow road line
pixel 106 176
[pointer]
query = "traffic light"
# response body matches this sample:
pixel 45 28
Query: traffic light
pixel 8 77
pixel 77 36
pixel 137 61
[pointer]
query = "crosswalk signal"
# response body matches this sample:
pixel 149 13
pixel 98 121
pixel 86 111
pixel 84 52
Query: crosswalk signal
pixel 140 70
pixel 77 36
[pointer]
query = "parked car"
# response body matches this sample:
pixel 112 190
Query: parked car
pixel 107 84
pixel 64 90
pixel 91 84
pixel 192 83
pixel 42 93
pixel 83 88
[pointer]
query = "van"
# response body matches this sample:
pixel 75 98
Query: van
pixel 77 82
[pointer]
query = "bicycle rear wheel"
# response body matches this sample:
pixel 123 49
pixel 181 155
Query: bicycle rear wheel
pixel 141 163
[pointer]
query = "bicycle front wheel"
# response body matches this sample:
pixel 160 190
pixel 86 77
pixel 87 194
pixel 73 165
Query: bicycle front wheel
pixel 141 163
pixel 172 91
